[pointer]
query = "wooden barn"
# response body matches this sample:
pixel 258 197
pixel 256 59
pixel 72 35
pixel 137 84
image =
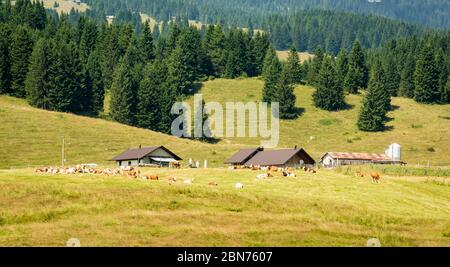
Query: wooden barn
pixel 142 156
pixel 336 159
pixel 243 155
pixel 280 158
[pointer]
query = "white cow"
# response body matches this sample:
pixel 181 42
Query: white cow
pixel 239 186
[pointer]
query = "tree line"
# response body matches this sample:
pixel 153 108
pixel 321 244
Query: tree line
pixel 417 68
pixel 303 28
pixel 68 67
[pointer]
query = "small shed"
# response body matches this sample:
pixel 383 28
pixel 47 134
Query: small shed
pixel 157 155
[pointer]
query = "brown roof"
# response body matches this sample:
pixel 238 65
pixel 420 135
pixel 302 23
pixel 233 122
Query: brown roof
pixel 138 153
pixel 359 156
pixel 243 155
pixel 278 157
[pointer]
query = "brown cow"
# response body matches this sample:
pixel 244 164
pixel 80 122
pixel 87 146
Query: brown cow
pixel 213 184
pixel 375 177
pixel 153 177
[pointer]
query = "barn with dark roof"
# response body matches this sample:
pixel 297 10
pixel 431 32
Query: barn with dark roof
pixel 156 155
pixel 281 158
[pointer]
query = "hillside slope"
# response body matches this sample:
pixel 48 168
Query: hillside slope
pixel 32 137
pixel 422 130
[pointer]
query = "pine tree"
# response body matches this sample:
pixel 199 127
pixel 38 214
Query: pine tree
pixel 286 97
pixel 150 94
pixel 272 74
pixel 269 58
pixel 407 79
pixel 123 94
pixel 5 62
pixel 260 47
pixel 88 39
pixel 446 94
pixel 214 45
pixel 147 43
pixel 372 116
pixel 20 51
pixel 342 66
pixel 329 94
pixel 65 76
pixel 444 71
pixel 426 77
pixel 184 65
pixel 392 76
pixel 37 81
pixel 95 83
pixel 357 75
pixel 293 69
pixel 315 66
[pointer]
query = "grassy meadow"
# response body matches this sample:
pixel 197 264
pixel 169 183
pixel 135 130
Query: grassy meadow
pixel 331 208
pixel 323 209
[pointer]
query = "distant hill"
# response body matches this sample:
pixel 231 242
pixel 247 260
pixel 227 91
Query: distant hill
pixel 430 13
pixel 32 137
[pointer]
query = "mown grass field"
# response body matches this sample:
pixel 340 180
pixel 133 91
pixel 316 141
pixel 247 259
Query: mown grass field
pixel 303 56
pixel 421 130
pixel 32 137
pixel 323 209
pixel 332 208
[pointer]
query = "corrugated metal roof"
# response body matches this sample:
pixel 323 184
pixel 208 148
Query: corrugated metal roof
pixel 278 157
pixel 360 156
pixel 138 153
pixel 242 155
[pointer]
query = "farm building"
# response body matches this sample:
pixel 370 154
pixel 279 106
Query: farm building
pixel 280 158
pixel 243 155
pixel 156 156
pixel 335 159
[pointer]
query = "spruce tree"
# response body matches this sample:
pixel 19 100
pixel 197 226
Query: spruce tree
pixel 293 69
pixel 88 39
pixel 214 44
pixel 261 44
pixel 315 66
pixel 95 83
pixel 272 74
pixel 65 89
pixel 342 66
pixel 426 77
pixel 329 94
pixel 269 58
pixel 407 78
pixel 123 94
pixel 20 51
pixel 286 97
pixel 5 62
pixel 150 94
pixel 446 94
pixel 357 75
pixel 147 45
pixel 372 116
pixel 392 76
pixel 184 64
pixel 37 81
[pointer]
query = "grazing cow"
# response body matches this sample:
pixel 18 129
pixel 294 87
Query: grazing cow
pixel 213 184
pixel 153 178
pixel 175 165
pixel 189 181
pixel 375 177
pixel 239 186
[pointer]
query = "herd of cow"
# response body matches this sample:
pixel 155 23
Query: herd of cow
pixel 131 172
